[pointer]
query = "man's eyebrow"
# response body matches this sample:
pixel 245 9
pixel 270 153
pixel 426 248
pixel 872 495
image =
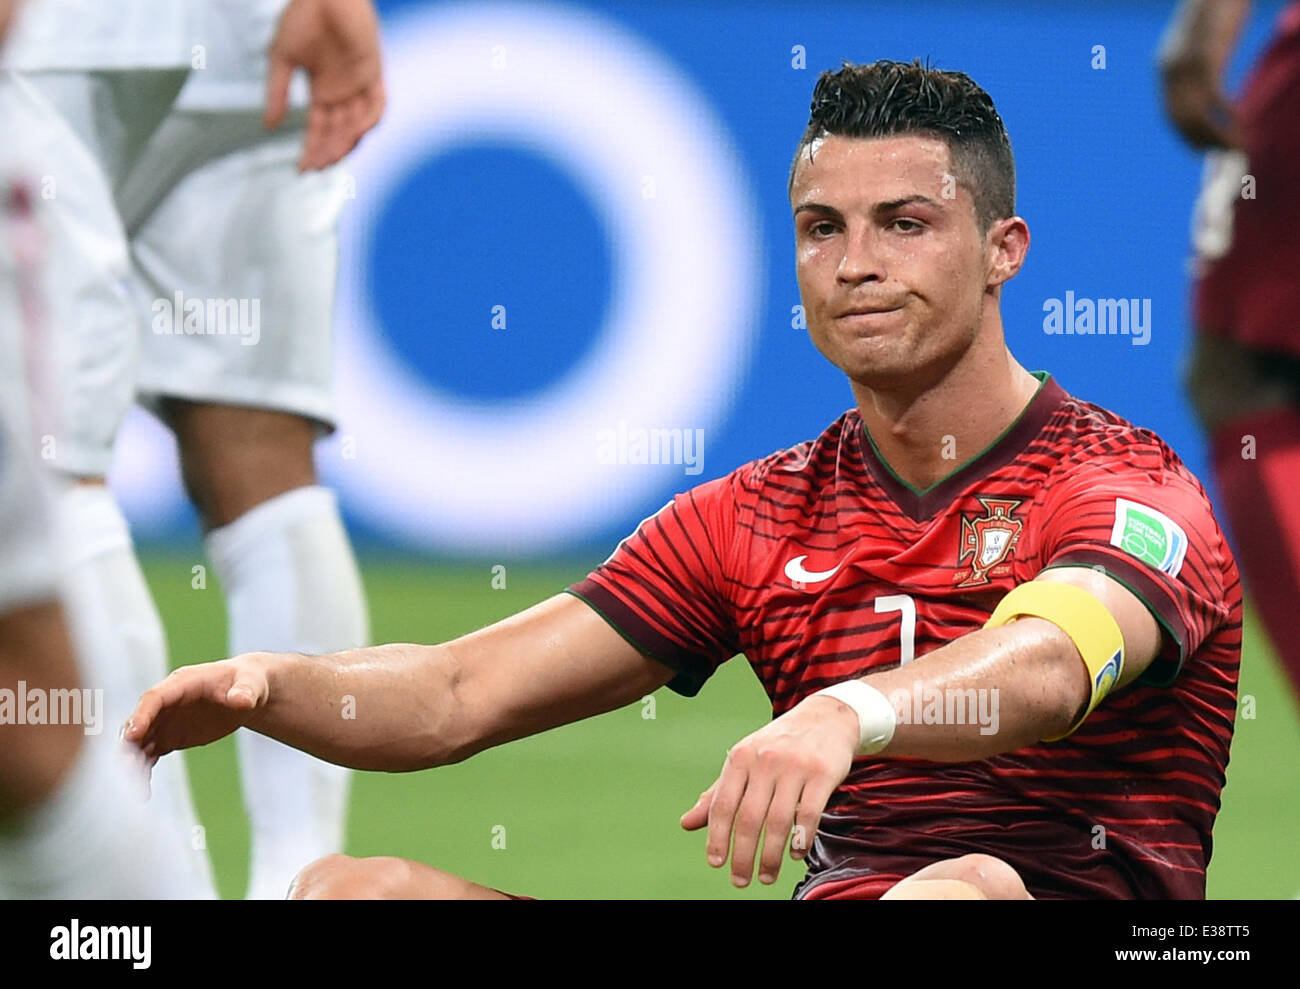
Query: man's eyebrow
pixel 893 204
pixel 820 209
pixel 888 206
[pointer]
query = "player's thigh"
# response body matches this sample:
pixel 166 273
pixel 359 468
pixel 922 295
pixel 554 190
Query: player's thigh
pixel 234 458
pixel 235 271
pixel 342 877
pixel 967 877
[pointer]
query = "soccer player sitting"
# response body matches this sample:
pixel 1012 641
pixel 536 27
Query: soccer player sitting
pixel 1013 677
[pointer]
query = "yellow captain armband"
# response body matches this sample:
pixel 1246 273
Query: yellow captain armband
pixel 1078 614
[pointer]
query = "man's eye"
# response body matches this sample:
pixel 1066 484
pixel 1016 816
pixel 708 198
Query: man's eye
pixel 906 226
pixel 823 229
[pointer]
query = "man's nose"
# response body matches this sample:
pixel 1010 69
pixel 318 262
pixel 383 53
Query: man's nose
pixel 861 261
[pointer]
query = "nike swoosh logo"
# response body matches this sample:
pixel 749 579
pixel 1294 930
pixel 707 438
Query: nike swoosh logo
pixel 795 571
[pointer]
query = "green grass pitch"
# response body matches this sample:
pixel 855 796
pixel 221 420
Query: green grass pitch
pixel 591 810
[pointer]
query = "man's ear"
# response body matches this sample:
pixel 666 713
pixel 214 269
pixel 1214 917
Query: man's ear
pixel 1007 243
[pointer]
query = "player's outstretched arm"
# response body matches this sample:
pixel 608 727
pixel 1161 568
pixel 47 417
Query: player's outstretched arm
pixel 777 781
pixel 406 707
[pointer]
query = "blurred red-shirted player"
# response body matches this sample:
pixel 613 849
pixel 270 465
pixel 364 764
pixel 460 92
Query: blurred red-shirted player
pixel 1244 376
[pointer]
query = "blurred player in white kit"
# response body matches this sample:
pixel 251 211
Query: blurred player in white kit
pixel 73 820
pixel 191 264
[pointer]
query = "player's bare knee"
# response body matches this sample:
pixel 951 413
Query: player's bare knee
pixel 934 889
pixel 991 875
pixel 382 877
pixel 993 878
pixel 343 877
pixel 387 877
pixel 326 878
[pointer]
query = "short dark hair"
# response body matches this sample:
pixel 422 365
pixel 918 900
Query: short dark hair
pixel 885 98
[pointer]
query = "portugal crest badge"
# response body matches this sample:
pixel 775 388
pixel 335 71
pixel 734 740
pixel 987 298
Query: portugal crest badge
pixel 987 541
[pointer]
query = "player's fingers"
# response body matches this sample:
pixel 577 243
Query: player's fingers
pixel 367 110
pixel 245 693
pixel 141 719
pixel 316 149
pixel 368 107
pixel 780 821
pixel 349 126
pixel 698 816
pixel 151 753
pixel 333 142
pixel 230 684
pixel 317 132
pixel 376 101
pixel 812 802
pixel 750 816
pixel 722 812
pixel 181 685
pixel 277 91
pixel 241 684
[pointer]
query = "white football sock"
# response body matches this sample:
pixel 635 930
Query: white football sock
pixel 121 650
pixel 96 837
pixel 291 585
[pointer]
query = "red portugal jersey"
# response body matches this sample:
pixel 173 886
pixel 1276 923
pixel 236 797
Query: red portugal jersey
pixel 819 564
pixel 1251 292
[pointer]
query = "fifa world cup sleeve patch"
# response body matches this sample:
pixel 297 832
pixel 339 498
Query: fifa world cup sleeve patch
pixel 1151 536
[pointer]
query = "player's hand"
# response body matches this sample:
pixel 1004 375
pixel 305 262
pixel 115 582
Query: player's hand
pixel 1197 106
pixel 776 781
pixel 197 705
pixel 337 42
pixel 7 8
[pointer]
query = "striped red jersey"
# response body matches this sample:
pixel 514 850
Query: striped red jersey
pixel 819 564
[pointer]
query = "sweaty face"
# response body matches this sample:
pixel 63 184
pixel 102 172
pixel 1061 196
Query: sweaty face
pixel 891 263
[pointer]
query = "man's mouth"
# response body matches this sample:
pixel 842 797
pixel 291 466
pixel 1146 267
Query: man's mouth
pixel 868 311
pixel 868 319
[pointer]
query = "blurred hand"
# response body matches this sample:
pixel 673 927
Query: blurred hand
pixel 776 780
pixel 337 43
pixel 1194 53
pixel 1197 105
pixel 7 8
pixel 197 705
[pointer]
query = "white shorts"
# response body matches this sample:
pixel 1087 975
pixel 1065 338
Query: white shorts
pixel 167 219
pixel 235 256
pixel 27 572
pixel 75 135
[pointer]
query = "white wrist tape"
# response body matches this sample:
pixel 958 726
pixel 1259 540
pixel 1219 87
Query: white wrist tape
pixel 876 716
